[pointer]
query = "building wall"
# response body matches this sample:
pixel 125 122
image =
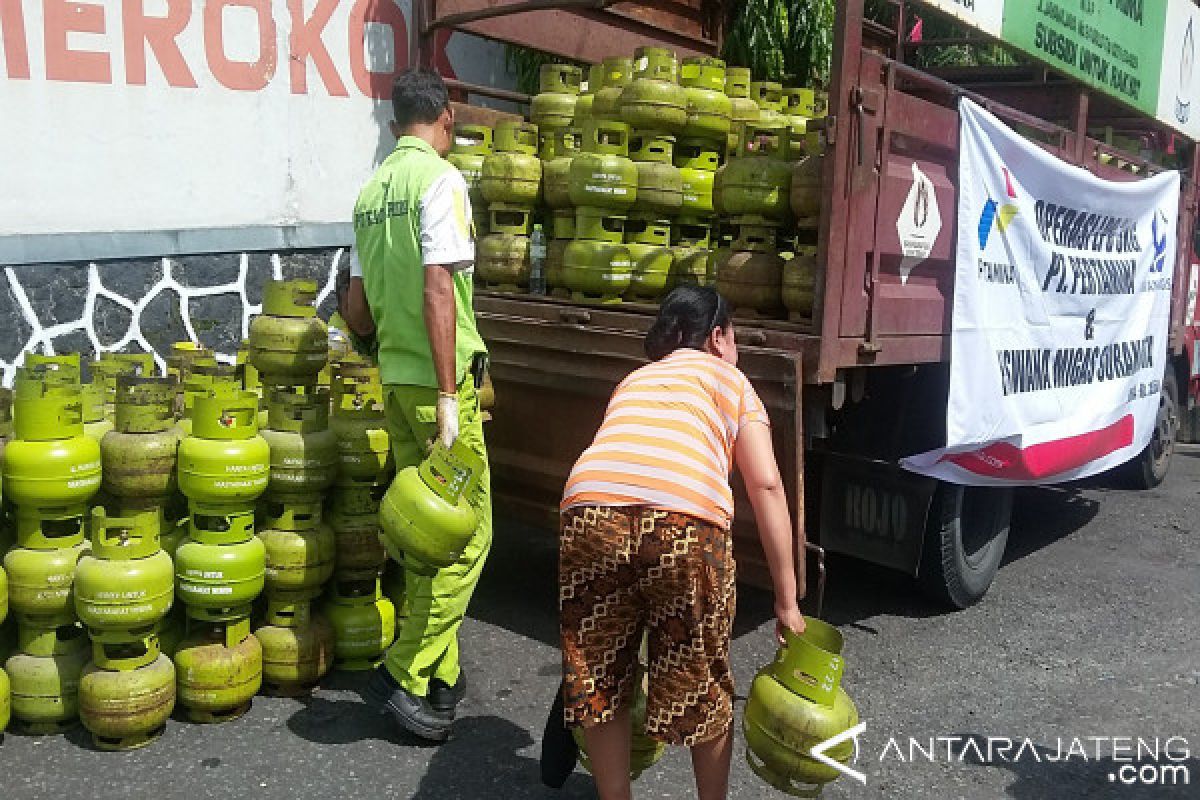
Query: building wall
pixel 147 304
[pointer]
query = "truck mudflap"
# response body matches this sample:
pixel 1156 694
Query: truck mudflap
pixel 874 510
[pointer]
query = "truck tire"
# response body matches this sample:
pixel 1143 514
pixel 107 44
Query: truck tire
pixel 1150 467
pixel 964 542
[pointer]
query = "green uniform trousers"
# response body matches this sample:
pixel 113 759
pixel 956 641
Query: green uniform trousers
pixel 426 645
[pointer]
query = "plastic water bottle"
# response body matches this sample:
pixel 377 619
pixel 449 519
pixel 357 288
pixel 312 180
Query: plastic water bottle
pixel 537 261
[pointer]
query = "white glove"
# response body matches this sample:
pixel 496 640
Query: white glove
pixel 447 418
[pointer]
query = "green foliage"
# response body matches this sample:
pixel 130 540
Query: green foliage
pixel 790 41
pixel 937 26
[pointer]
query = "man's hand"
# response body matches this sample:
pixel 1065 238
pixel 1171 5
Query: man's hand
pixel 447 418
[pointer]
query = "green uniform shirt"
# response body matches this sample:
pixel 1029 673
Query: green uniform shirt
pixel 415 212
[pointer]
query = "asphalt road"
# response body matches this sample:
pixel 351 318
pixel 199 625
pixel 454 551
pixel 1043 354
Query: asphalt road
pixel 1090 631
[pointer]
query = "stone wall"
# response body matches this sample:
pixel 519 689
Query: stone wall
pixel 145 305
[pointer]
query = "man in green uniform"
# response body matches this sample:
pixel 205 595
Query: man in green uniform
pixel 410 289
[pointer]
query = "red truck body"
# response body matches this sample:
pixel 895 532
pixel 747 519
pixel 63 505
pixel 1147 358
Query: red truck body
pixel 862 382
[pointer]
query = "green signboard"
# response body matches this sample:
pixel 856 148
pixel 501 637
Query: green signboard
pixel 1141 52
pixel 1114 46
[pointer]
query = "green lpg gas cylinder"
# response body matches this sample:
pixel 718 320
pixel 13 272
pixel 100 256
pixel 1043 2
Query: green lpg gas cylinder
pixel 602 176
pixel 95 421
pixel 63 368
pixel 502 261
pixel 354 518
pixel 769 97
pixel 5 701
pixel 750 272
pixel 616 74
pixel 472 144
pixel 181 358
pixel 795 703
pixel 744 110
pixel 691 241
pixel 800 283
pixel 698 162
pixel 299 552
pixel 597 269
pixel 138 456
pixel 799 103
pixel 709 109
pixel 587 93
pixel 205 377
pixel 127 583
pixel 137 364
pixel 218 576
pixel 289 344
pixel 218 670
pixel 358 422
pixel 560 150
pixel 512 173
pixel 660 184
pixel 224 464
pixel 654 100
pixel 364 624
pixel 304 451
pixel 644 751
pixel 553 107
pixel 426 515
pixel 649 243
pixel 297 647
pixel 806 186
pixel 45 683
pixel 757 181
pixel 41 582
pixel 127 709
pixel 50 464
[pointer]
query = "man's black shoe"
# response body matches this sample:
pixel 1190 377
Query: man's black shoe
pixel 446 698
pixel 412 713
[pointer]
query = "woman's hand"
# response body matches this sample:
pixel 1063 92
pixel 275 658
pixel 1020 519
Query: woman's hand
pixel 788 618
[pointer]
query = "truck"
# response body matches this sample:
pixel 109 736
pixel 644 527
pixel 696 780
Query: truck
pixel 862 383
pixel 173 159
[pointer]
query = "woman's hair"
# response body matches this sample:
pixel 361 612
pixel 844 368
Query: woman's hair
pixel 686 317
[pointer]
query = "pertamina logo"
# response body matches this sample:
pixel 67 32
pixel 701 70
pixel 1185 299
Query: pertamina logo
pixel 1001 216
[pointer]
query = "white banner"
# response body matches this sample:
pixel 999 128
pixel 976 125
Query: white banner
pixel 1062 301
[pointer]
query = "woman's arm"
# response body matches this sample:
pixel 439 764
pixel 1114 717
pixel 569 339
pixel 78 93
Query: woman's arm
pixel 755 458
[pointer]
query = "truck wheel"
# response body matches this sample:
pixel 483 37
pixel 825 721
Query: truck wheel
pixel 964 542
pixel 1150 468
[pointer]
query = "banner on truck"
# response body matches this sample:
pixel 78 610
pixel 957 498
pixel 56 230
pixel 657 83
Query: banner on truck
pixel 1062 298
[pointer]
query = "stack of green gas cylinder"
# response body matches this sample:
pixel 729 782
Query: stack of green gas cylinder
pixel 511 185
pixel 363 618
pixel 192 539
pixel 51 472
pixel 654 173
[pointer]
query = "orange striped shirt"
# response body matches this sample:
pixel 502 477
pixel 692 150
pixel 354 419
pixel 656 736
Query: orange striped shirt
pixel 667 439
